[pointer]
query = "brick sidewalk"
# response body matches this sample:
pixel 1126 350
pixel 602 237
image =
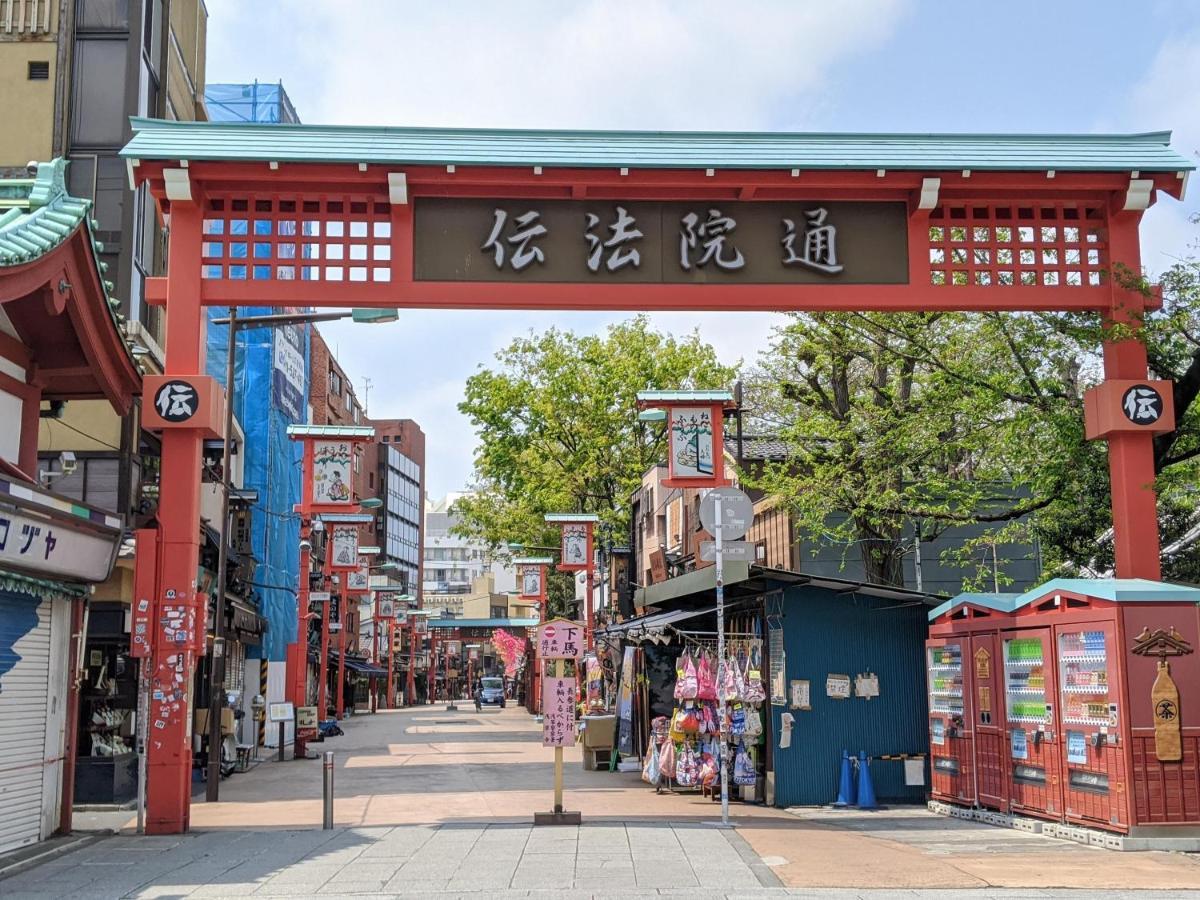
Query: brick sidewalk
pixel 493 860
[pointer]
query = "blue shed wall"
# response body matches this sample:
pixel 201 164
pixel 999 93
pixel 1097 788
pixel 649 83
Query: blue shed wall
pixel 272 467
pixel 829 634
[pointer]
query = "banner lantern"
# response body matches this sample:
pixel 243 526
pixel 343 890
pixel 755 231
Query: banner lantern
pixel 577 531
pixel 695 435
pixel 531 577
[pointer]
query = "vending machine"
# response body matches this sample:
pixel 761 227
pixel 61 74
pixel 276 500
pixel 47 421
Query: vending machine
pixel 1111 665
pixel 1090 739
pixel 951 740
pixel 1030 713
pixel 966 718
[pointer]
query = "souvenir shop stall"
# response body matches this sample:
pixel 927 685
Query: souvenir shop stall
pixel 106 770
pixel 718 709
pixel 815 667
pixel 669 694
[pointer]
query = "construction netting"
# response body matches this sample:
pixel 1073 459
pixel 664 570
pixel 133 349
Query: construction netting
pixel 271 376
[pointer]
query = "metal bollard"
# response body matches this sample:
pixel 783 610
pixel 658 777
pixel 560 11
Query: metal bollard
pixel 327 772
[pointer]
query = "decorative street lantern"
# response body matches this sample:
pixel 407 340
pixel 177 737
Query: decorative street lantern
pixel 327 492
pixel 531 578
pixel 694 420
pixel 577 534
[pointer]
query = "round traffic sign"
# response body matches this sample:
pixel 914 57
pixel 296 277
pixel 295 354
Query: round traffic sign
pixel 737 512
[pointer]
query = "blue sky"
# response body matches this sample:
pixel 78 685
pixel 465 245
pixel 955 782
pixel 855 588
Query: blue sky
pixel 851 65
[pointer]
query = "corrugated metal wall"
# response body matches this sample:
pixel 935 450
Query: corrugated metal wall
pixel 826 633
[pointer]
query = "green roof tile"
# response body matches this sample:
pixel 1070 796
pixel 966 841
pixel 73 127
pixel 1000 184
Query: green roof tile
pixel 159 139
pixel 37 215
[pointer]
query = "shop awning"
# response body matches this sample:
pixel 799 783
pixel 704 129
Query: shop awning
pixel 360 666
pixel 747 580
pixel 653 623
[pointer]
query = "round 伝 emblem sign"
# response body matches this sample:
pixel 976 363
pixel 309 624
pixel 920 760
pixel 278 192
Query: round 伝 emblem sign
pixel 1142 404
pixel 176 401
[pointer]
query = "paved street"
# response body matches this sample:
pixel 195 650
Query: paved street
pixel 436 803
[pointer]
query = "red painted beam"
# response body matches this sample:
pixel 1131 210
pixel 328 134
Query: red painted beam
pixel 258 178
pixel 650 297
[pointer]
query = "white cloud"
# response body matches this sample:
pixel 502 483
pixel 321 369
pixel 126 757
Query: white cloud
pixel 596 64
pixel 1165 98
pixel 647 64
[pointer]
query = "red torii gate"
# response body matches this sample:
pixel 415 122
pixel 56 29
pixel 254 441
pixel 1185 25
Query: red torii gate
pixel 448 218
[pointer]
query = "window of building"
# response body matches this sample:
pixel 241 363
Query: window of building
pixel 335 384
pixel 102 15
pixel 98 112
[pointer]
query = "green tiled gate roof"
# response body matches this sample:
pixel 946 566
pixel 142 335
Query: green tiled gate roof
pixel 159 139
pixel 37 214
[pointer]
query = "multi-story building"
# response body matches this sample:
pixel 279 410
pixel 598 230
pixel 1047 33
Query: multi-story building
pixel 399 481
pixel 453 563
pixel 72 73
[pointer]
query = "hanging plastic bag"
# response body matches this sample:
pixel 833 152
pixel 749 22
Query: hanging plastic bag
pixel 730 681
pixel 737 719
pixel 754 725
pixel 685 678
pixel 666 760
pixel 687 766
pixel 652 770
pixel 743 767
pixel 709 770
pixel 706 685
pixel 755 692
pixel 708 719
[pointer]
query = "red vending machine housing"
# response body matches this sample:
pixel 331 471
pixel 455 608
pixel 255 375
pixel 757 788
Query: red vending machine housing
pixel 1127 684
pixel 1031 720
pixel 965 714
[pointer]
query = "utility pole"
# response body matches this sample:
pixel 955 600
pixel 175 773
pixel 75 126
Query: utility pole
pixel 366 393
pixel 216 662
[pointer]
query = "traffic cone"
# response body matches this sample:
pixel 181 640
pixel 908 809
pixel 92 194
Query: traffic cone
pixel 866 790
pixel 846 795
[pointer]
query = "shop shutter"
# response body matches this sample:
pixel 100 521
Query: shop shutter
pixel 24 687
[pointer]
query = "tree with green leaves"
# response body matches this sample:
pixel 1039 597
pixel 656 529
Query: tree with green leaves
pixel 935 419
pixel 558 426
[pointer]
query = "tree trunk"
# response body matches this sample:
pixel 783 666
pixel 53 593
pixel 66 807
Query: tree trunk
pixel 882 555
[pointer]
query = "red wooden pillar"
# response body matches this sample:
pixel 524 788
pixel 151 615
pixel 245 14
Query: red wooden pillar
pixel 391 682
pixel 343 619
pixel 323 681
pixel 1130 454
pixel 168 749
pixel 410 689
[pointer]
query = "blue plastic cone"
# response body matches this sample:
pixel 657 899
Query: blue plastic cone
pixel 846 795
pixel 866 790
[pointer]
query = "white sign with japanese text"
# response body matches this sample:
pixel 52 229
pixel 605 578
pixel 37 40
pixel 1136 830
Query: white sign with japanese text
pixel 560 639
pixel 40 545
pixel 558 712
